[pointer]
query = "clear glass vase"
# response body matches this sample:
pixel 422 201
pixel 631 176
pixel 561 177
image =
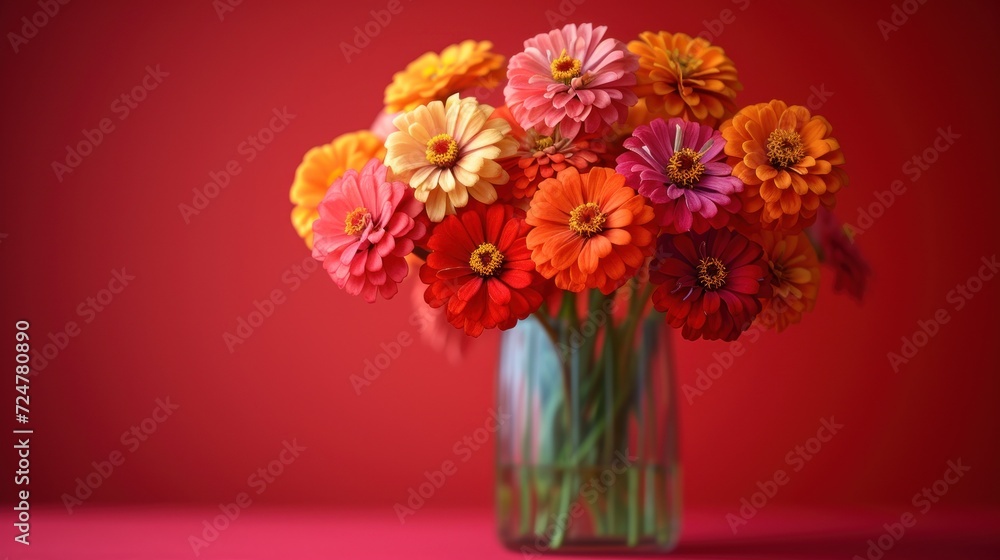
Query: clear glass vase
pixel 587 461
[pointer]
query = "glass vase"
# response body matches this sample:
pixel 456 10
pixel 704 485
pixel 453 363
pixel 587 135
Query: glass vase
pixel 587 461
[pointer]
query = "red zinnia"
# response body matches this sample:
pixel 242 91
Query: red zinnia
pixel 710 284
pixel 481 269
pixel 838 250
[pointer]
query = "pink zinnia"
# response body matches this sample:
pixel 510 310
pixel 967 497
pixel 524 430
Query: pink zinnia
pixel 365 229
pixel 571 77
pixel 679 167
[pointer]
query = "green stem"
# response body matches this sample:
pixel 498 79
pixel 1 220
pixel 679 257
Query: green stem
pixel 568 315
pixel 543 320
pixel 558 342
pixel 561 518
pixel 633 507
pixel 527 480
pixel 608 418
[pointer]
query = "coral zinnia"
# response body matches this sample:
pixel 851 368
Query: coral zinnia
pixel 366 227
pixel 447 152
pixel 677 165
pixel 711 284
pixel 794 276
pixel 480 269
pixel 788 160
pixel 323 165
pixel 571 78
pixel 681 76
pixel 436 76
pixel 540 157
pixel 591 230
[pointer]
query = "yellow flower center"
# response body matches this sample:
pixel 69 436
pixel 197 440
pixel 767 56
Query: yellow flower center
pixel 685 167
pixel 785 148
pixel 442 150
pixel 544 142
pixel 565 68
pixel 486 260
pixel 587 219
pixel 356 221
pixel 685 63
pixel 711 273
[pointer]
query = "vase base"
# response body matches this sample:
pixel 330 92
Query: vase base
pixel 592 546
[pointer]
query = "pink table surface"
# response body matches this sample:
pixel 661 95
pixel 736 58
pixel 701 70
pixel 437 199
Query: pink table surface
pixel 152 533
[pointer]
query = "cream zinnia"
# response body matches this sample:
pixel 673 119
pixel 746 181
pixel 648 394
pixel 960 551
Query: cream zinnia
pixel 447 152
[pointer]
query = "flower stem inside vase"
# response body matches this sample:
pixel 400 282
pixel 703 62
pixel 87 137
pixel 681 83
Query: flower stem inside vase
pixel 589 459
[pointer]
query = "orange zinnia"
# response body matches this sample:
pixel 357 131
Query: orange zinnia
pixel 788 161
pixel 794 274
pixel 682 76
pixel 590 230
pixel 323 165
pixel 436 76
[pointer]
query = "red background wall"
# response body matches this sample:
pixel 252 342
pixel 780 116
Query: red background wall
pixel 162 336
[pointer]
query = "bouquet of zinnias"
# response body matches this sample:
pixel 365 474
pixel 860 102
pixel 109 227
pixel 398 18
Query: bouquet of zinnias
pixel 610 165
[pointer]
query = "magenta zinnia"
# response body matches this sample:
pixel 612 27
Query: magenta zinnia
pixel 710 285
pixel 571 78
pixel 365 229
pixel 678 166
